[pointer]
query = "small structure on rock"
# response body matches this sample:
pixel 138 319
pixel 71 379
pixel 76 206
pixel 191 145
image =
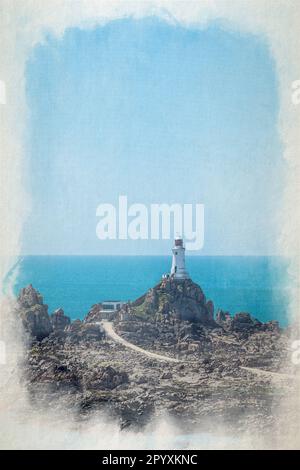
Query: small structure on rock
pixel 106 310
pixel 109 308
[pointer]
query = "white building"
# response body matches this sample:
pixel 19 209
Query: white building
pixel 109 307
pixel 178 270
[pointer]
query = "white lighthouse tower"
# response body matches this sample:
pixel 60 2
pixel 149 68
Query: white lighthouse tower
pixel 178 270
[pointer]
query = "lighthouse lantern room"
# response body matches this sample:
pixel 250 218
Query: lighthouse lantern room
pixel 178 270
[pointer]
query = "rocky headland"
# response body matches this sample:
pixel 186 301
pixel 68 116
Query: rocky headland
pixel 228 369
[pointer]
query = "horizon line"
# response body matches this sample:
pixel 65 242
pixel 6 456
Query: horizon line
pixel 155 255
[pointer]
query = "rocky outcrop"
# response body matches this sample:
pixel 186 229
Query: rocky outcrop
pixel 107 378
pixel 74 365
pixel 59 320
pixel 94 314
pixel 272 326
pixel 80 371
pixel 181 300
pixel 72 375
pixel 222 317
pixel 241 323
pixel 28 297
pixel 80 331
pixel 39 325
pixel 34 313
pixel 244 321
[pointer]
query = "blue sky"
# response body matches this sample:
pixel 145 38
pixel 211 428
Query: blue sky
pixel 160 113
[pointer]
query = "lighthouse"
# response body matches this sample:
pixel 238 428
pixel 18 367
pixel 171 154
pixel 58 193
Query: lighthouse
pixel 178 270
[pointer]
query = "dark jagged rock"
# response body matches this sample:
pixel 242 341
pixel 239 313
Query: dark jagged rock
pixel 29 297
pixel 94 314
pixel 92 332
pixel 82 369
pixel 56 376
pixel 34 313
pixel 222 317
pixel 210 307
pixel 182 300
pixel 80 331
pixel 59 320
pixel 243 321
pixel 106 378
pixel 272 325
pixel 244 318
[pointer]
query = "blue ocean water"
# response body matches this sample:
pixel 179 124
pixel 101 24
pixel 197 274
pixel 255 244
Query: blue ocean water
pixel 258 285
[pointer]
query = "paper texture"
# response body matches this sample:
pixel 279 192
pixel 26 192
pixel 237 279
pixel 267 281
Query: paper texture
pixel 112 112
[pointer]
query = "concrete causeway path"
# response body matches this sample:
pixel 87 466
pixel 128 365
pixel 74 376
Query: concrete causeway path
pixel 269 373
pixel 108 328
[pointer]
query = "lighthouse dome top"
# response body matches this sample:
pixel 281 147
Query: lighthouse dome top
pixel 178 241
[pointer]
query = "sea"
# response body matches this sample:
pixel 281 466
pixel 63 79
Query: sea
pixel 258 285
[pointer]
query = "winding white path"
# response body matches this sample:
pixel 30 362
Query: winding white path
pixel 108 327
pixel 275 375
